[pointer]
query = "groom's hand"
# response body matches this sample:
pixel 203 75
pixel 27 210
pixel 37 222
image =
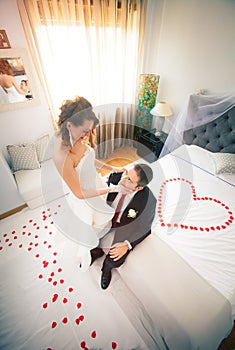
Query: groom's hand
pixel 118 250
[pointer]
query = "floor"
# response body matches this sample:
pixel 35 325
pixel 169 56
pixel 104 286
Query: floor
pixel 121 157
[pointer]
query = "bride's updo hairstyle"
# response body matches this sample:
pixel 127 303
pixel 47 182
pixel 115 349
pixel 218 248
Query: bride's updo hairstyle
pixel 76 112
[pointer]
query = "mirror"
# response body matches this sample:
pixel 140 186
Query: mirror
pixel 17 88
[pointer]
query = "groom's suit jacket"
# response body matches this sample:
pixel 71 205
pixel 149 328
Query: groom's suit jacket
pixel 137 217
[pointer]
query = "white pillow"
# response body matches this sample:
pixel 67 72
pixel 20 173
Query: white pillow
pixel 41 148
pixel 23 157
pixel 224 163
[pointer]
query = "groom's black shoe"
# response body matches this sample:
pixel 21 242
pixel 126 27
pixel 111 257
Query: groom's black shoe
pixel 95 254
pixel 105 279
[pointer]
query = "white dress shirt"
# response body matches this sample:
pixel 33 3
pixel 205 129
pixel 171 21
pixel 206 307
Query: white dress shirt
pixel 127 200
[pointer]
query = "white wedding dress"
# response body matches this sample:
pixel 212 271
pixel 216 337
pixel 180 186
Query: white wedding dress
pixel 14 96
pixel 87 220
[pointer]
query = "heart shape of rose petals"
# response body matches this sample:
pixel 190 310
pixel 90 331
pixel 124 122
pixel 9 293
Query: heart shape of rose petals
pixel 223 225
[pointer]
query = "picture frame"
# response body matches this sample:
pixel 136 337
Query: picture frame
pixel 17 85
pixel 4 42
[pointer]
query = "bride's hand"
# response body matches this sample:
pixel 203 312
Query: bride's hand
pixel 80 148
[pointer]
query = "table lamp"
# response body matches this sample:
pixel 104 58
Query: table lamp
pixel 161 110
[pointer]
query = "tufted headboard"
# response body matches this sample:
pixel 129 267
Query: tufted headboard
pixel 216 136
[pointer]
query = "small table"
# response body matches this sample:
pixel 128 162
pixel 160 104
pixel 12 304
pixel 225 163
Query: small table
pixel 149 144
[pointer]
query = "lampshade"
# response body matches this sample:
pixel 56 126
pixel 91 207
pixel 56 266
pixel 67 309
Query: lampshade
pixel 161 109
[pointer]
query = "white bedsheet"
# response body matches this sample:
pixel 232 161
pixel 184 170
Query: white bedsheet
pixel 205 206
pixel 46 303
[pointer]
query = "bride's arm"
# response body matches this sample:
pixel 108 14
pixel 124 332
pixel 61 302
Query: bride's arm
pixel 72 180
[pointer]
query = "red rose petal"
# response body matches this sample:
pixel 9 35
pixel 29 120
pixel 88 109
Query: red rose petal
pixel 65 320
pixel 93 334
pixel 54 324
pixel 114 345
pixel 40 276
pixel 44 305
pixel 70 290
pixel 61 281
pixel 77 321
pixel 65 300
pixel 79 305
pixel 83 344
pixel 55 297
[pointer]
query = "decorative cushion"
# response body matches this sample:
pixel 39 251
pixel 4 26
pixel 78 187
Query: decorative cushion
pixel 41 148
pixel 23 156
pixel 224 163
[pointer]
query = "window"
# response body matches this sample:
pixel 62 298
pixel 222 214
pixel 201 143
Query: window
pixel 89 48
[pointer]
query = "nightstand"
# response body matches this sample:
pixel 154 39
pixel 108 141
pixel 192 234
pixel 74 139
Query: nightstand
pixel 149 145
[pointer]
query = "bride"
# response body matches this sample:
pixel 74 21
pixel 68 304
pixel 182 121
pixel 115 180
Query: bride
pixel 75 160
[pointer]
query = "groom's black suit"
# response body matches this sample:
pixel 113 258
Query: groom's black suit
pixel 134 229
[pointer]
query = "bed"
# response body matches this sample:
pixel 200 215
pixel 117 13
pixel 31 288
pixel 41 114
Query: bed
pixel 175 291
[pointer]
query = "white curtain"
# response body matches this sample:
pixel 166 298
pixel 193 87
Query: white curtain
pixel 198 110
pixel 91 48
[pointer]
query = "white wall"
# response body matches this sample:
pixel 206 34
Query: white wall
pixel 22 124
pixel 195 48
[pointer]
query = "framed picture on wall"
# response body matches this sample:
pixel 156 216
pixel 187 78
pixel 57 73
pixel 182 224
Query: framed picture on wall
pixel 4 42
pixel 17 86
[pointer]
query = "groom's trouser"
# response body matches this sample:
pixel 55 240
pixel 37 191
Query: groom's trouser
pixel 109 263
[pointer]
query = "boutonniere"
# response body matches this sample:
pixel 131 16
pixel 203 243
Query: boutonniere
pixel 132 213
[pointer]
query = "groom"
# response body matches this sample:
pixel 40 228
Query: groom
pixel 134 205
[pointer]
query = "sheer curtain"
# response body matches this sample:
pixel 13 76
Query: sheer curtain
pixel 198 110
pixel 91 48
